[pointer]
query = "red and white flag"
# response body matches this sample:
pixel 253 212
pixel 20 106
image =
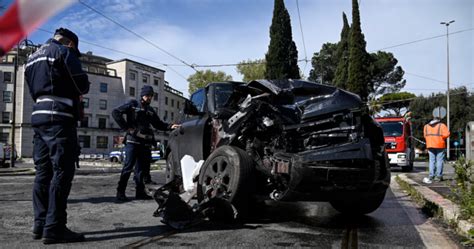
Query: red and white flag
pixel 24 16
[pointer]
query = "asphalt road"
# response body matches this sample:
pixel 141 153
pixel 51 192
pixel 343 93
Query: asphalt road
pixel 106 224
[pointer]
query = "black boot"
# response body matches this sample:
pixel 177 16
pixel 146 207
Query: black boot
pixel 66 236
pixel 37 232
pixel 142 195
pixel 121 197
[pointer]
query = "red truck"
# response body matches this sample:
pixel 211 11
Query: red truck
pixel 399 145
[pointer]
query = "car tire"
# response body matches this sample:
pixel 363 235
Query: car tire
pixel 359 206
pixel 228 174
pixel 114 159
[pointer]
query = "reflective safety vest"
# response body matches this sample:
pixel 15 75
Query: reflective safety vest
pixel 435 135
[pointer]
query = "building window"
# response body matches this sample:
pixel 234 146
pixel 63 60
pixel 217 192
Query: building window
pixel 145 78
pixel 85 121
pixel 177 104
pixel 102 142
pixel 103 87
pixel 5 117
pixel 7 96
pixel 166 100
pixel 155 97
pixel 103 104
pixel 132 91
pixel 156 81
pixel 102 123
pixel 133 76
pixel 172 116
pixel 4 137
pixel 7 77
pixel 172 102
pixel 84 141
pixel 166 116
pixel 85 102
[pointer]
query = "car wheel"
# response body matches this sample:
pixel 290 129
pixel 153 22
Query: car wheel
pixel 359 206
pixel 227 175
pixel 114 159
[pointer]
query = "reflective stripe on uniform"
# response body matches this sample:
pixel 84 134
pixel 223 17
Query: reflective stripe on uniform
pixel 438 134
pixel 40 59
pixel 51 98
pixel 53 112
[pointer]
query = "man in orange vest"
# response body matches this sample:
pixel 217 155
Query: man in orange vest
pixel 435 134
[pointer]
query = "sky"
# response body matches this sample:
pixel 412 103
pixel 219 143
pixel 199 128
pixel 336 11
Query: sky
pixel 211 32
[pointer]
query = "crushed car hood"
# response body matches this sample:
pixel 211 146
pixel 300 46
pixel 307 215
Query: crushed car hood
pixel 310 98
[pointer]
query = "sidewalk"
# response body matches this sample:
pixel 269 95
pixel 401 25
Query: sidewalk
pixel 435 196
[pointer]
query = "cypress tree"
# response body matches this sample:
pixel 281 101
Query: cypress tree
pixel 340 78
pixel 357 81
pixel 282 55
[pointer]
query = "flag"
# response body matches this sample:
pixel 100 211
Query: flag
pixel 24 16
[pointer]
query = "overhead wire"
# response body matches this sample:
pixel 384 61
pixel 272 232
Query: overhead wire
pixel 424 39
pixel 128 54
pixel 302 36
pixel 137 35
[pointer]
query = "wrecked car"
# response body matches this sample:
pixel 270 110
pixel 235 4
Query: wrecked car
pixel 288 140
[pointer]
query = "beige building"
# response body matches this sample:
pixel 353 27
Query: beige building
pixel 112 84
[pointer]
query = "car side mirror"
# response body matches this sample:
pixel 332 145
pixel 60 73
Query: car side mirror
pixel 190 109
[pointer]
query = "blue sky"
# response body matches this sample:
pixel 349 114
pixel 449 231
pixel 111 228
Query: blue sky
pixel 229 31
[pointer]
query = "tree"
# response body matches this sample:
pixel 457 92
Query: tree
pixel 252 69
pixel 395 102
pixel 282 56
pixel 201 78
pixel 358 80
pixel 342 55
pixel 324 64
pixel 385 76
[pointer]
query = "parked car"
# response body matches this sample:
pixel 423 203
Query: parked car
pixel 5 152
pixel 284 139
pixel 118 156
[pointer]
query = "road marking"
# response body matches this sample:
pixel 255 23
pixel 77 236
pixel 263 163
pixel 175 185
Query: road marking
pixel 349 238
pixel 429 233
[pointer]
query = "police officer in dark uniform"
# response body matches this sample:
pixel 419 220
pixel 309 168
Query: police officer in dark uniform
pixel 56 82
pixel 139 140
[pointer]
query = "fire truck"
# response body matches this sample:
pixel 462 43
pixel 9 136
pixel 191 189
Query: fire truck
pixel 399 144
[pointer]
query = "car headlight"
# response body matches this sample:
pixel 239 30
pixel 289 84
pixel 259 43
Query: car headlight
pixel 402 156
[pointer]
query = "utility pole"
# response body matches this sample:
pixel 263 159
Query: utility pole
pixel 12 131
pixel 447 94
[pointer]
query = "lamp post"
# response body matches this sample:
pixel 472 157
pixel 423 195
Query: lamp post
pixel 447 63
pixel 13 116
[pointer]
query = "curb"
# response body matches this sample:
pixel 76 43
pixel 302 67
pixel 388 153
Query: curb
pixel 436 203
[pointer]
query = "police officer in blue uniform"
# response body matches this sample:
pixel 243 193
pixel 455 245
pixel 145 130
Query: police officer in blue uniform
pixel 139 140
pixel 56 83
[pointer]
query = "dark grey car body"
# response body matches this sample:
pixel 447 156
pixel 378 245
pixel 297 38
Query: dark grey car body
pixel 305 141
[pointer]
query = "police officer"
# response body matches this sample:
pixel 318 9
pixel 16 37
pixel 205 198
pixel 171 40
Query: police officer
pixel 56 81
pixel 139 139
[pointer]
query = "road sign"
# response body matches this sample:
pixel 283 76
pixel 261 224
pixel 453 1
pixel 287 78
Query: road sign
pixel 439 112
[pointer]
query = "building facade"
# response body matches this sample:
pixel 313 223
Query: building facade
pixel 112 84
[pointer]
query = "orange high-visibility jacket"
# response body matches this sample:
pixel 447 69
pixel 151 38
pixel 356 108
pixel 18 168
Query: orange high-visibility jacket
pixel 435 135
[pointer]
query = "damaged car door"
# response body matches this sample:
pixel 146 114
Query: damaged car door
pixel 189 138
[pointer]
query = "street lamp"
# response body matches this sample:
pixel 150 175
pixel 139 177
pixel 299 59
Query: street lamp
pixel 447 60
pixel 24 43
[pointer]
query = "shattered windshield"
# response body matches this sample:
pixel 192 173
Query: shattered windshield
pixel 225 91
pixel 392 129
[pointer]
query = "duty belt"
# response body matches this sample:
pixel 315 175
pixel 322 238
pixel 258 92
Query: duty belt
pixel 143 136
